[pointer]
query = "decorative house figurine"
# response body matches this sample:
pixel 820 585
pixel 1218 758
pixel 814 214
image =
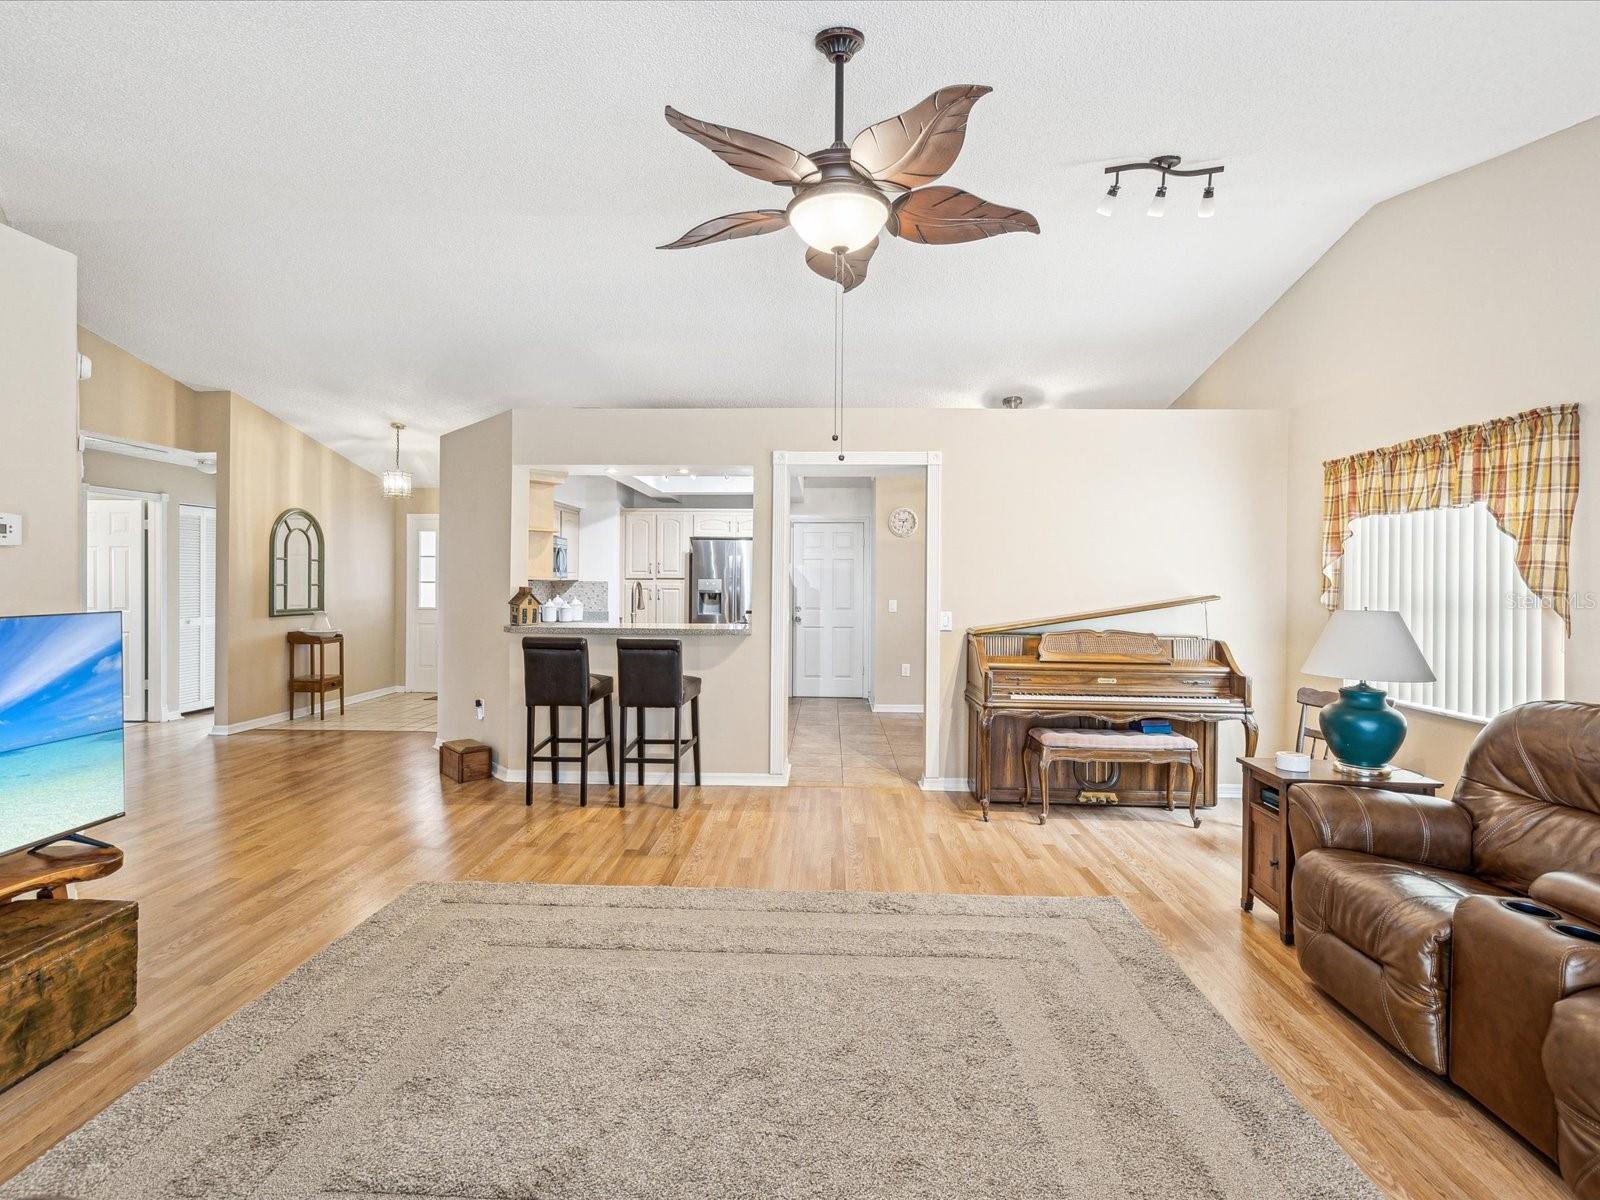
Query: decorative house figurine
pixel 524 608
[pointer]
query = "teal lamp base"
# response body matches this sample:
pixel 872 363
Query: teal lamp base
pixel 1363 732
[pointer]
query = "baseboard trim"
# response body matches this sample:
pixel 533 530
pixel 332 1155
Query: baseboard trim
pixel 274 718
pixel 947 783
pixel 897 708
pixel 597 777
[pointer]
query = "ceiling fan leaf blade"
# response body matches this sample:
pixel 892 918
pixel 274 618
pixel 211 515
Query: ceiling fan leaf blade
pixel 921 143
pixel 848 271
pixel 734 225
pixel 944 216
pixel 749 153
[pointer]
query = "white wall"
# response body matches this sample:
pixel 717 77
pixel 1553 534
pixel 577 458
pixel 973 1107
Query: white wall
pixel 1473 297
pixel 599 532
pixel 39 460
pixel 1044 512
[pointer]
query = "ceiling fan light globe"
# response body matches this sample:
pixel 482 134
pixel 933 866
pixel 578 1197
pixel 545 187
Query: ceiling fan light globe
pixel 838 216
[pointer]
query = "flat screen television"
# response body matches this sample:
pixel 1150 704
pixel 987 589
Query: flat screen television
pixel 60 726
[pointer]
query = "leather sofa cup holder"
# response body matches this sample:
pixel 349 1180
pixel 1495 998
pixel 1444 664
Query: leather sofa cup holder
pixel 1530 909
pixel 1576 931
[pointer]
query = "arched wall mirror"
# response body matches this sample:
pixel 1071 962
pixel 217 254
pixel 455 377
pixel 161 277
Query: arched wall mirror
pixel 298 562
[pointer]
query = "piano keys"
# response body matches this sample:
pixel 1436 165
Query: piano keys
pixel 1025 674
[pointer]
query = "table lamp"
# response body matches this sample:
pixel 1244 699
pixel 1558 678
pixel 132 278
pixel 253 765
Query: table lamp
pixel 1360 727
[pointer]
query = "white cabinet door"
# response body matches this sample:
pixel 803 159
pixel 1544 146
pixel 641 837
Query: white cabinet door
pixel 671 606
pixel 638 601
pixel 638 544
pixel 744 524
pixel 672 545
pixel 712 524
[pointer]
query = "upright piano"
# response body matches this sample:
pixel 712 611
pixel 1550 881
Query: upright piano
pixel 1069 671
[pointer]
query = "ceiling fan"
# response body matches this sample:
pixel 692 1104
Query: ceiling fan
pixel 846 195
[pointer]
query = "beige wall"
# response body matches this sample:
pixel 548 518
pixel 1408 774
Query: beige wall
pixel 39 460
pixel 1044 512
pixel 182 485
pixel 128 398
pixel 421 500
pixel 1473 297
pixel 272 467
pixel 897 569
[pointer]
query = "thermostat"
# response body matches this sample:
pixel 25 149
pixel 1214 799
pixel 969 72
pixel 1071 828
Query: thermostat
pixel 10 529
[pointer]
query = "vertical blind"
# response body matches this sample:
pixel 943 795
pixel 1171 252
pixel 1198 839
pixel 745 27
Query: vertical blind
pixel 1452 573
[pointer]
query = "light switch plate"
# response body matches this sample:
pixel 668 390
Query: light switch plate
pixel 946 622
pixel 905 670
pixel 10 529
pixel 894 606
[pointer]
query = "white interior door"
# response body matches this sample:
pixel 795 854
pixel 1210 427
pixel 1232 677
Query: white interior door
pixel 422 596
pixel 830 598
pixel 116 581
pixel 197 607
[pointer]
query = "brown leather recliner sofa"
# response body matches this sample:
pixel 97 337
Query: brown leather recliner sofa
pixel 1466 932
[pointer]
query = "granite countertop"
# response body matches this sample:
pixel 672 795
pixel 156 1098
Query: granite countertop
pixel 556 628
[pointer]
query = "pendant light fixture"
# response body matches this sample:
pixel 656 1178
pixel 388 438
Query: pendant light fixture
pixel 1167 164
pixel 397 483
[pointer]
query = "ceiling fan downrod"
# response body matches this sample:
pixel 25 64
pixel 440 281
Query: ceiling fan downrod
pixel 839 45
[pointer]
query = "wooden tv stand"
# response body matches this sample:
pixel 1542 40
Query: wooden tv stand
pixel 68 968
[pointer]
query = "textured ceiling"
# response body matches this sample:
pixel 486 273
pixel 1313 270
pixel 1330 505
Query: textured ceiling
pixel 358 213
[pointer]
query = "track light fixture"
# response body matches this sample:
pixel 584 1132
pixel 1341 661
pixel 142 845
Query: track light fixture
pixel 1167 164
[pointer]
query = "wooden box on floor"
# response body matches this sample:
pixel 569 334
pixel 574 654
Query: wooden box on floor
pixel 68 968
pixel 464 760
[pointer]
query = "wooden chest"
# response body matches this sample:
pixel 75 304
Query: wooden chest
pixel 68 968
pixel 464 760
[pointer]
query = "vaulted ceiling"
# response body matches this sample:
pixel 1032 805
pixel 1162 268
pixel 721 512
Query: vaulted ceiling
pixel 358 213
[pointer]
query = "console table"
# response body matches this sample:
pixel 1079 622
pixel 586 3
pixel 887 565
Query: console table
pixel 317 680
pixel 1267 856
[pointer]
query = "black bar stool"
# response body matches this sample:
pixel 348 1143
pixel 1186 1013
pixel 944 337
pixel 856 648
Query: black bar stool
pixel 556 676
pixel 650 675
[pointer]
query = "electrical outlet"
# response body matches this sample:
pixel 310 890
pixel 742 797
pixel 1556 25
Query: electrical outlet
pixel 477 708
pixel 905 670
pixel 10 529
pixel 894 606
pixel 947 622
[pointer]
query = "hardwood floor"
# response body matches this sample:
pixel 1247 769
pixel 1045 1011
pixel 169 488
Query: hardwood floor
pixel 245 865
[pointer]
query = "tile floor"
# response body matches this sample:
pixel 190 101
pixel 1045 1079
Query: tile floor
pixel 402 712
pixel 845 744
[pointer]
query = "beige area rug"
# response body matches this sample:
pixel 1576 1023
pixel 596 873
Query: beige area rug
pixel 479 1040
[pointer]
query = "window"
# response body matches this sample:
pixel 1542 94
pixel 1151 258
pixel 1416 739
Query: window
pixel 1452 573
pixel 427 568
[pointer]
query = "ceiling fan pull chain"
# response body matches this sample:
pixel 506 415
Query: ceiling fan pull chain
pixel 838 299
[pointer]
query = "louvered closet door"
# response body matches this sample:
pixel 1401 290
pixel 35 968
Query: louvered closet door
pixel 197 607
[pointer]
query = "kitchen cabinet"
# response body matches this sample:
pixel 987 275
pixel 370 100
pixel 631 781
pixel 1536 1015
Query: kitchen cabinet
pixel 649 601
pixel 638 544
pixel 723 522
pixel 672 545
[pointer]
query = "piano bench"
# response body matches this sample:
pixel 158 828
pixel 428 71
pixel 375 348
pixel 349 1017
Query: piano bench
pixel 1045 747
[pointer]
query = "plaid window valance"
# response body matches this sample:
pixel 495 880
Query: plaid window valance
pixel 1524 468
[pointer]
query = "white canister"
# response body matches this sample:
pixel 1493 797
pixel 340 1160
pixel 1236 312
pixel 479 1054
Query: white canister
pixel 549 611
pixel 572 612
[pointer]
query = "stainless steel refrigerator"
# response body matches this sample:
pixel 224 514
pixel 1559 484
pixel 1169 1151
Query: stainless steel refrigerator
pixel 720 575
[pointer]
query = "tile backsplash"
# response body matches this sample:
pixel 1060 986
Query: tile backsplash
pixel 587 592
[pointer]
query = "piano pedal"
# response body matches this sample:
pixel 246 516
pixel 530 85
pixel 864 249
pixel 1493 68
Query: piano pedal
pixel 1091 797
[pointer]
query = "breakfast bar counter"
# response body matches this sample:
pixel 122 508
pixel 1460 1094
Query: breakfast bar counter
pixel 640 628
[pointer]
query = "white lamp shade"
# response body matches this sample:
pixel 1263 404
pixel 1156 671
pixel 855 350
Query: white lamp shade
pixel 1368 644
pixel 838 216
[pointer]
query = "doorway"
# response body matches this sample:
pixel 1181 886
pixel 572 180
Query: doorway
pixel 899 657
pixel 422 602
pixel 117 566
pixel 832 603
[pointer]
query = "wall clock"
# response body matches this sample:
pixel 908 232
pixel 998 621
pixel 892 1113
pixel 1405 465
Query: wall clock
pixel 902 522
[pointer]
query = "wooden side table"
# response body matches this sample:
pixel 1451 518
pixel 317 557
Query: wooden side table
pixel 1266 865
pixel 317 680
